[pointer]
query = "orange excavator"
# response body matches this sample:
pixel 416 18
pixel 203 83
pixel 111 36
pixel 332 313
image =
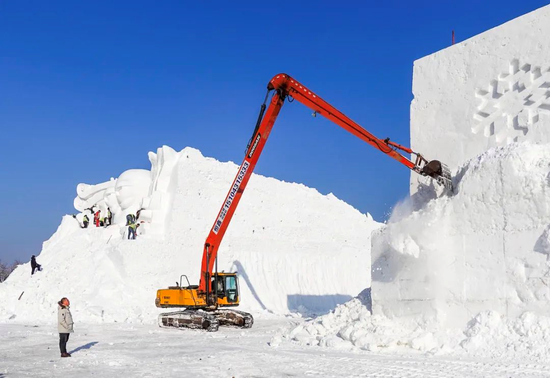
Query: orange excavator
pixel 208 305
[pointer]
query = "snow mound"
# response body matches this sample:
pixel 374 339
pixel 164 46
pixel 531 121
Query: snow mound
pixel 351 327
pixel 492 334
pixel 290 245
pixel 485 247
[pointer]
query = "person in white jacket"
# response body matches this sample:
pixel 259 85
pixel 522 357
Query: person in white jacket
pixel 64 325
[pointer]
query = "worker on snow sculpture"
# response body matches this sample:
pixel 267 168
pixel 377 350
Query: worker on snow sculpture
pixel 35 265
pixel 96 218
pixel 132 228
pixel 133 224
pixel 130 218
pixel 109 217
pixel 85 221
pixel 64 325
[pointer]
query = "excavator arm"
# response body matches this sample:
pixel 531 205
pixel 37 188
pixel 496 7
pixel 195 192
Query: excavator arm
pixel 284 87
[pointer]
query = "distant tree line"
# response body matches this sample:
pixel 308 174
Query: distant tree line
pixel 6 269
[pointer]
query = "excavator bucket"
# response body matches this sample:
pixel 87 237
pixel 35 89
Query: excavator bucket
pixel 440 172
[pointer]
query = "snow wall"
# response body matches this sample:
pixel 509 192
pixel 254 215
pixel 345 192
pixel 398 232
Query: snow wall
pixel 294 249
pixel 488 91
pixel 446 259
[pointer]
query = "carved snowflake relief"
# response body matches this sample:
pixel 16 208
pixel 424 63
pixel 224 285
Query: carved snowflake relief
pixel 512 103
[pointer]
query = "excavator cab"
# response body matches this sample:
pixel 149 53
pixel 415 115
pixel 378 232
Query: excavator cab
pixel 225 287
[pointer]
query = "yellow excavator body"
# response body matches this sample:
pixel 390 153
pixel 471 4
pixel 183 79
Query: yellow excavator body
pixel 199 312
pixel 224 287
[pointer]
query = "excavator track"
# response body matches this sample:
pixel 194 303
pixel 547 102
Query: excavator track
pixel 207 320
pixel 234 318
pixel 189 318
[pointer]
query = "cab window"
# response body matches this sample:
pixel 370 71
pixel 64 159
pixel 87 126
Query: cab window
pixel 231 289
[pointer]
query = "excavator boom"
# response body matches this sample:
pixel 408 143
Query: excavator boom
pixel 284 87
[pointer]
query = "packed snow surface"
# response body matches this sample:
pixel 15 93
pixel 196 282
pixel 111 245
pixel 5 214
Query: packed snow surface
pixel 294 249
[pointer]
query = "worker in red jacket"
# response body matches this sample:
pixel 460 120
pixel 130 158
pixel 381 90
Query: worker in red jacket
pixel 96 218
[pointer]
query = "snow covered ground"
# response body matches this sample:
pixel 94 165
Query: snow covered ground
pixel 137 350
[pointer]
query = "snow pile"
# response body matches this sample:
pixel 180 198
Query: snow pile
pixel 492 334
pixel 350 327
pixel 294 249
pixel 450 258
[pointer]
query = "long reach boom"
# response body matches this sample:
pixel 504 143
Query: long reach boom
pixel 285 87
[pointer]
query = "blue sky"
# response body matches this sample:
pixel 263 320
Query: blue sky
pixel 88 88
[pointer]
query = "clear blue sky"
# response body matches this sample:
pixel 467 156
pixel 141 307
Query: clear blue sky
pixel 88 88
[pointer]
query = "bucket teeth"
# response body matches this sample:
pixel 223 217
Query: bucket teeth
pixel 444 178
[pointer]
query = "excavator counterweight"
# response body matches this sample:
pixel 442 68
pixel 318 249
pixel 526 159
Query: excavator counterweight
pixel 207 304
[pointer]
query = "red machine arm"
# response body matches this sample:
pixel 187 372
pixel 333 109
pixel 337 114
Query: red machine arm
pixel 285 86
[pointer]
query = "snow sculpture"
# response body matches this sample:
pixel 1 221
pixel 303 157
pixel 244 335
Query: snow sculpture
pixel 488 91
pixel 156 205
pixel 512 105
pixel 484 106
pixel 135 189
pixel 131 187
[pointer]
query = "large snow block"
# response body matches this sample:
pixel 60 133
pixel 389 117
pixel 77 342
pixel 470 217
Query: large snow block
pixel 485 92
pixel 484 247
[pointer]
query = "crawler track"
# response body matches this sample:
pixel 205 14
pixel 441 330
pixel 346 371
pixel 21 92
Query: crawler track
pixel 207 320
pixel 195 319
